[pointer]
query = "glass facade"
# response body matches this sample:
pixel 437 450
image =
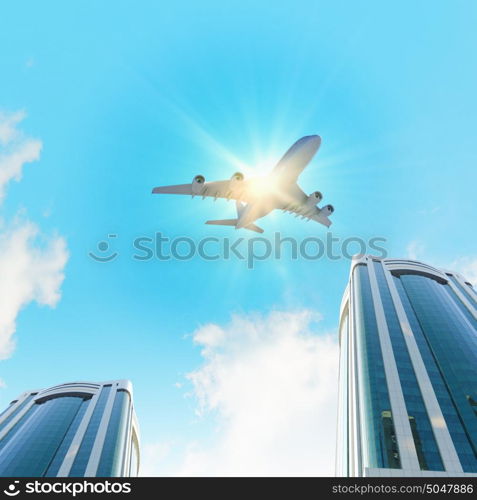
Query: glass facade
pixel 449 410
pixel 408 344
pixel 115 442
pixel 378 436
pixel 7 408
pixel 10 434
pixel 464 310
pixel 30 452
pixel 55 464
pixel 15 412
pixel 73 430
pixel 84 452
pixel 452 340
pixel 466 290
pixel 424 440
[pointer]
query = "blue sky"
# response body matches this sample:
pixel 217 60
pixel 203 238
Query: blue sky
pixel 125 96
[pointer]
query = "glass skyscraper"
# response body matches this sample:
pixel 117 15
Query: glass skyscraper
pixel 79 429
pixel 408 371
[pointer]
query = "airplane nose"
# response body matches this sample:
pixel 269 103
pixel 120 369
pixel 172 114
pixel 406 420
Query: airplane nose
pixel 311 138
pixel 316 140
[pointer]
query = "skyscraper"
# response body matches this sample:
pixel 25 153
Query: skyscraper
pixel 408 371
pixel 79 429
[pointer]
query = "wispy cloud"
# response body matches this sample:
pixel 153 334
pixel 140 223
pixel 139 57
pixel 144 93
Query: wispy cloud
pixel 415 250
pixel 270 384
pixel 16 149
pixel 31 264
pixel 30 271
pixel 153 456
pixel 467 266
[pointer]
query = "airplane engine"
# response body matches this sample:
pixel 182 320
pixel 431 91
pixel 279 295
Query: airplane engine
pixel 236 179
pixel 327 210
pixel 314 198
pixel 198 184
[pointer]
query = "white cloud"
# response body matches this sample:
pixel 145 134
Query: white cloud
pixel 467 266
pixel 153 457
pixel 270 383
pixel 8 123
pixel 30 272
pixel 415 250
pixel 31 264
pixel 15 149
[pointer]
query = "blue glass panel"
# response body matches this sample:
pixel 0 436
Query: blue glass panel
pixel 31 449
pixel 378 433
pixel 462 307
pixel 17 410
pixel 18 426
pixel 424 439
pixel 448 345
pixel 7 408
pixel 112 456
pixel 82 457
pixel 465 290
pixel 65 444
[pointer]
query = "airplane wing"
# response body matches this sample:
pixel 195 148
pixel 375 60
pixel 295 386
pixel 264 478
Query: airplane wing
pixel 316 214
pixel 233 189
pixel 320 217
pixel 296 202
pixel 177 189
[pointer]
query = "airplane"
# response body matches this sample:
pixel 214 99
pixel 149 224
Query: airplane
pixel 258 196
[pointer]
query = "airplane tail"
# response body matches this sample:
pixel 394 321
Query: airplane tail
pixel 253 227
pixel 223 222
pixel 233 222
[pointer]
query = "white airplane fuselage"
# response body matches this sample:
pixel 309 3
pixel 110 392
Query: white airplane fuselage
pixel 272 192
pixel 254 211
